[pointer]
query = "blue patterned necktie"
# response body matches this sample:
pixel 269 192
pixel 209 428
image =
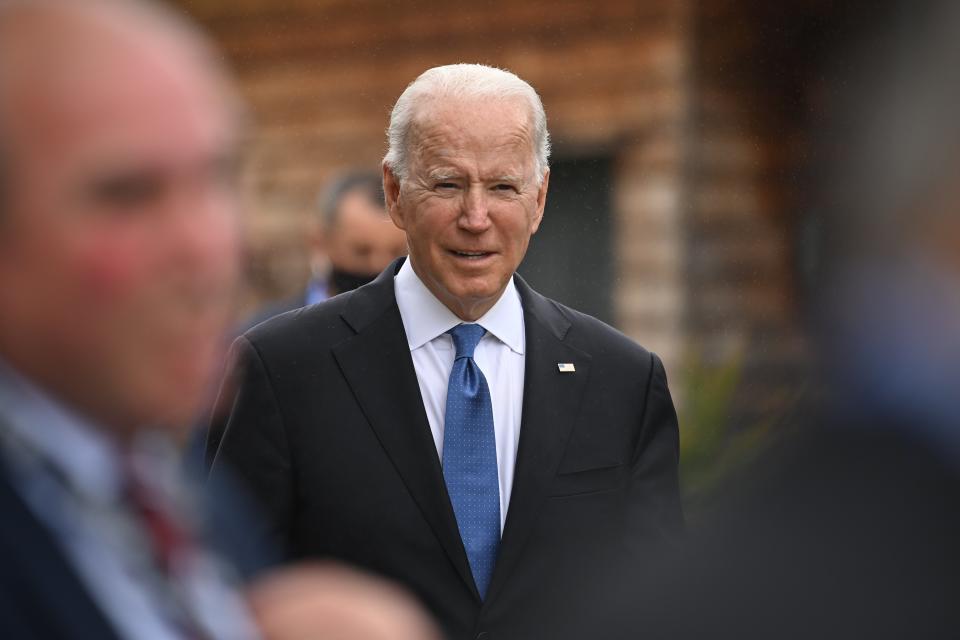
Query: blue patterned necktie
pixel 470 457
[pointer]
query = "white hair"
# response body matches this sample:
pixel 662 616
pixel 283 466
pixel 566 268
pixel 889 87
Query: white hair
pixel 474 81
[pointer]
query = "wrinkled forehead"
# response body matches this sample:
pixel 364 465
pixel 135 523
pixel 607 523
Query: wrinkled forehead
pixel 448 127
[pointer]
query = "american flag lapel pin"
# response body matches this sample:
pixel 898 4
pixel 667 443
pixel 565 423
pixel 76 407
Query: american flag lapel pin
pixel 566 367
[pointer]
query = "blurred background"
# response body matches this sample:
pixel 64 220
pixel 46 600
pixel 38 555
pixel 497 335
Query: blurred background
pixel 682 143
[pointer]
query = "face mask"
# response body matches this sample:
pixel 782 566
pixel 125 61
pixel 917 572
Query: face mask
pixel 344 281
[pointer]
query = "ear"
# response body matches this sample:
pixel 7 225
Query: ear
pixel 317 234
pixel 391 196
pixel 541 202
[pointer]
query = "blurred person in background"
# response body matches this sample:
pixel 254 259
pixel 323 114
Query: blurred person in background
pixel 119 261
pixel 446 425
pixel 350 242
pixel 352 239
pixel 848 526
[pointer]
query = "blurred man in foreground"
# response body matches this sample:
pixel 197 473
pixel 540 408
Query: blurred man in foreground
pixel 407 425
pixel 118 264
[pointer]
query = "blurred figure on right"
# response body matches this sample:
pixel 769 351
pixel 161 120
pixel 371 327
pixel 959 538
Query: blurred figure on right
pixel 849 527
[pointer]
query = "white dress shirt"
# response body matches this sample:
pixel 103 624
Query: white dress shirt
pixel 500 356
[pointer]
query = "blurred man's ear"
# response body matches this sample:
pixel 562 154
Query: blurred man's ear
pixel 391 196
pixel 317 234
pixel 317 240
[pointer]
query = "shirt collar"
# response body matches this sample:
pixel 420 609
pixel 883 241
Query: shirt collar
pixel 424 317
pixel 82 454
pixel 317 291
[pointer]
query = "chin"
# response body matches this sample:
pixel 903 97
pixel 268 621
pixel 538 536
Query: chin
pixel 180 411
pixel 484 287
pixel 188 383
pixel 470 288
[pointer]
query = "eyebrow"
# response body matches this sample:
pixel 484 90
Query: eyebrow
pixel 442 174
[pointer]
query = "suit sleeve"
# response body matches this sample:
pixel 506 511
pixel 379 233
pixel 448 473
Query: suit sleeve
pixel 654 510
pixel 248 443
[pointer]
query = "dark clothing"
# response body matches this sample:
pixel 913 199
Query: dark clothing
pixel 842 531
pixel 270 311
pixel 329 430
pixel 40 593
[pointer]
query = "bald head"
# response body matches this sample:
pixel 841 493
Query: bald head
pixel 56 51
pixel 41 35
pixel 119 241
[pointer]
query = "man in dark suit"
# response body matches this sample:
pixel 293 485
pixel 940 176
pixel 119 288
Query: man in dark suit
pixel 446 425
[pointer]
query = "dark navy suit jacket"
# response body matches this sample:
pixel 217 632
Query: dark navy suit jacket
pixel 327 427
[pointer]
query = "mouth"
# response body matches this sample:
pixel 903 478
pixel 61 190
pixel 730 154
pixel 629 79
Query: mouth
pixel 470 255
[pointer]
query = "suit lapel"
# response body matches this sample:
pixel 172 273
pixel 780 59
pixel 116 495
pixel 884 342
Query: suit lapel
pixel 377 365
pixel 46 580
pixel 551 401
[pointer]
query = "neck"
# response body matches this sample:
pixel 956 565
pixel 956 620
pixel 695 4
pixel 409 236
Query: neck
pixel 469 312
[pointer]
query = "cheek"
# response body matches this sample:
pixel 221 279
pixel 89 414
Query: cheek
pixel 112 263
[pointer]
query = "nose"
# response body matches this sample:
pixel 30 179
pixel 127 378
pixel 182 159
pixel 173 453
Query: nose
pixel 475 216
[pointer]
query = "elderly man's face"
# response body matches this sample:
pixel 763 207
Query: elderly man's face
pixel 471 200
pixel 119 243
